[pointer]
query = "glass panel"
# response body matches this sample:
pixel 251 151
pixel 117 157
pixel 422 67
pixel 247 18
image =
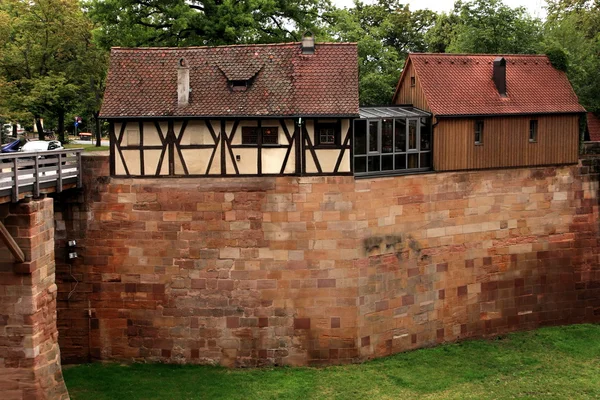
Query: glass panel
pixel 425 134
pixel 425 160
pixel 400 135
pixel 413 161
pixel 374 164
pixel 387 163
pixel 387 136
pixel 270 135
pixel 249 135
pixel 327 136
pixel 400 161
pixel 360 164
pixel 412 134
pixel 360 137
pixel 373 136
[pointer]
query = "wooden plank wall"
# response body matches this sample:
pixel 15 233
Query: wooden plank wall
pixel 505 142
pixel 411 94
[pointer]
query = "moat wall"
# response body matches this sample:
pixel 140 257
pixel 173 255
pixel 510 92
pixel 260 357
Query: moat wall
pixel 30 365
pixel 308 271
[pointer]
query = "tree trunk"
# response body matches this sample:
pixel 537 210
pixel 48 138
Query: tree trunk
pixel 14 130
pixel 98 132
pixel 40 128
pixel 61 126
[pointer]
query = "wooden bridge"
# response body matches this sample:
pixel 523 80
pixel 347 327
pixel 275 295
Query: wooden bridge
pixel 36 173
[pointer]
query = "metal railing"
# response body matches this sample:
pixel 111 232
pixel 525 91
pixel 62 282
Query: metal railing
pixel 36 172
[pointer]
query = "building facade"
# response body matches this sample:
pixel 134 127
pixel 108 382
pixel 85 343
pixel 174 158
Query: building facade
pixel 282 109
pixel 493 111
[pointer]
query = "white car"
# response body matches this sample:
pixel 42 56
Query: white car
pixel 42 145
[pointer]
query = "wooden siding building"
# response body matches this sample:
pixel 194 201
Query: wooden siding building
pixel 493 111
pixel 281 109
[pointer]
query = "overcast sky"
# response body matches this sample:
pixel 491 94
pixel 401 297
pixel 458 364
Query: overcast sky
pixel 535 7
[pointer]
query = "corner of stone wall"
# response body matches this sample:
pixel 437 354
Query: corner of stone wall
pixel 30 365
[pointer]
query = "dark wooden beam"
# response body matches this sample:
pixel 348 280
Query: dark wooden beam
pixel 259 149
pixel 171 145
pixel 113 138
pixel 141 128
pixel 10 243
pixel 311 147
pixel 163 141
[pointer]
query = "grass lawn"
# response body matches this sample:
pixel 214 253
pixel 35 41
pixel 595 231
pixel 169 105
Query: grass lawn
pixel 86 147
pixel 550 363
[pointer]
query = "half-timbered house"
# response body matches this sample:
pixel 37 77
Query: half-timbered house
pixel 232 110
pixel 493 111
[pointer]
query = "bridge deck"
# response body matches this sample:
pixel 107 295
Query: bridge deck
pixel 34 173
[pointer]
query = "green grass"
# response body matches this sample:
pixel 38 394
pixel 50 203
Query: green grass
pixel 86 147
pixel 549 363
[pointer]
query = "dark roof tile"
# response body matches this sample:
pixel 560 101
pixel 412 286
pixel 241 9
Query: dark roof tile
pixel 142 82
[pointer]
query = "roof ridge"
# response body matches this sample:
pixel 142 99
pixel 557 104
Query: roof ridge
pixel 476 55
pixel 290 44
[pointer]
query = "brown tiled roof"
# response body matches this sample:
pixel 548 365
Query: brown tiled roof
pixel 461 84
pixel 593 125
pixel 143 81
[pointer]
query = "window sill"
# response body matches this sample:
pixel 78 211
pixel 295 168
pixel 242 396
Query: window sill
pixel 532 141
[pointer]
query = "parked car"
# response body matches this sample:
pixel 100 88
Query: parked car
pixel 42 145
pixel 11 147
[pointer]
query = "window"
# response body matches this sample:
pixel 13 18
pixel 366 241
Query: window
pixel 533 130
pixel 327 133
pixel 478 132
pixel 249 135
pixel 413 81
pixel 392 145
pixel 326 136
pixel 270 135
pixel 267 135
pixel 238 86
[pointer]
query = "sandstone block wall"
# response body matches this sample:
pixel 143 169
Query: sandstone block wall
pixel 29 354
pixel 318 270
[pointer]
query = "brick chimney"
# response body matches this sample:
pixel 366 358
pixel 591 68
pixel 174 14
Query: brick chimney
pixel 183 83
pixel 500 75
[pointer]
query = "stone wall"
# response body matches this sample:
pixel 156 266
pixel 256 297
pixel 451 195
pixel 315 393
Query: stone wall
pixel 320 270
pixel 29 353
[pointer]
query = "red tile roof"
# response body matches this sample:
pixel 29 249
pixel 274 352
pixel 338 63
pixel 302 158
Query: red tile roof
pixel 593 125
pixel 142 82
pixel 461 84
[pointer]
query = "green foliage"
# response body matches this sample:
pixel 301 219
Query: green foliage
pixel 132 23
pixel 490 26
pixel 558 57
pixel 573 26
pixel 47 59
pixel 550 363
pixel 386 32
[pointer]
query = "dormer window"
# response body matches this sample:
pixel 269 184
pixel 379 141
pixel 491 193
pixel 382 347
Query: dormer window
pixel 238 85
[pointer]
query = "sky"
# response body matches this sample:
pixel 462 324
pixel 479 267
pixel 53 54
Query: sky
pixel 535 7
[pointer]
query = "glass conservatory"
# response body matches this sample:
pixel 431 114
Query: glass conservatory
pixel 392 140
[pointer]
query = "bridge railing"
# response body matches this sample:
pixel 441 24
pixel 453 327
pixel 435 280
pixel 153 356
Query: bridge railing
pixel 38 172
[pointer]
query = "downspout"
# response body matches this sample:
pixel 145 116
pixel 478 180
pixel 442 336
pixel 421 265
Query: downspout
pixel 437 121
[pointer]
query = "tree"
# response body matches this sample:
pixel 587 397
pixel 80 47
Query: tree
pixel 132 23
pixel 385 32
pixel 573 27
pixel 490 26
pixel 45 58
